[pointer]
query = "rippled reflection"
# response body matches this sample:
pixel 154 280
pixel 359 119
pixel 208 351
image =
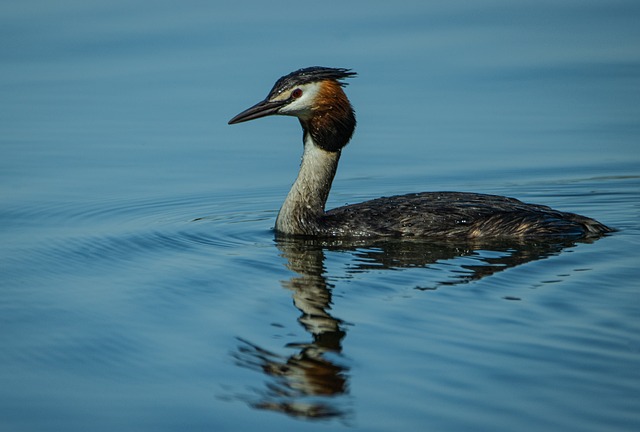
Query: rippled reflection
pixel 313 384
pixel 305 382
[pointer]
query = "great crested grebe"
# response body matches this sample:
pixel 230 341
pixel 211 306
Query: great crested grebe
pixel 315 96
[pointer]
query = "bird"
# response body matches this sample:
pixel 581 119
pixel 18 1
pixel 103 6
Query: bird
pixel 315 95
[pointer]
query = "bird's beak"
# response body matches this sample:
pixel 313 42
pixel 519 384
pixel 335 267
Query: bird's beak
pixel 261 109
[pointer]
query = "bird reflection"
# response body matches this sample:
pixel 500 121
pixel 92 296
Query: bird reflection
pixel 305 381
pixel 312 383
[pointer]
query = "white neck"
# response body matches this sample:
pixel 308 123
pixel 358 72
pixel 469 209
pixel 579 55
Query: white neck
pixel 308 195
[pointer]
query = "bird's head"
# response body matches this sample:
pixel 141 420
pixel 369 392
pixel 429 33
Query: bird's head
pixel 315 96
pixel 299 94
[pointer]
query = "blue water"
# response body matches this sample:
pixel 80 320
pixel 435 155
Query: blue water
pixel 142 289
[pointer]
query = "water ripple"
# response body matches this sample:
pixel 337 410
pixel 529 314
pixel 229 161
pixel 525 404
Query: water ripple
pixel 102 233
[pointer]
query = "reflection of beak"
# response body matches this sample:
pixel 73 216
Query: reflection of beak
pixel 261 109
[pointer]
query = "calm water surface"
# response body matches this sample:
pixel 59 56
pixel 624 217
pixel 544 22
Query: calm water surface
pixel 141 287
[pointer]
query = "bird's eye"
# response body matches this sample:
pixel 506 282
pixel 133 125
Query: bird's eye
pixel 296 93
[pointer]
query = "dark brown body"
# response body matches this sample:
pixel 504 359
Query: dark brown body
pixel 452 215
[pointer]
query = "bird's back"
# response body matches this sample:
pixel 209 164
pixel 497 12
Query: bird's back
pixel 454 215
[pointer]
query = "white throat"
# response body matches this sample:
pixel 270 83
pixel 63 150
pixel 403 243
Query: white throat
pixel 308 195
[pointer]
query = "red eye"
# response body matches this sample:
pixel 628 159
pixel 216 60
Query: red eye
pixel 296 93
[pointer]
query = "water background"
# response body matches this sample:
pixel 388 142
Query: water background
pixel 141 287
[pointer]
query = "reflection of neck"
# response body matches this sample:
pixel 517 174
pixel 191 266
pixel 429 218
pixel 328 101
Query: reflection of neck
pixel 311 291
pixel 308 195
pixel 313 301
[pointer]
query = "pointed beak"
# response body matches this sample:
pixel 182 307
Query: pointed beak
pixel 261 109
